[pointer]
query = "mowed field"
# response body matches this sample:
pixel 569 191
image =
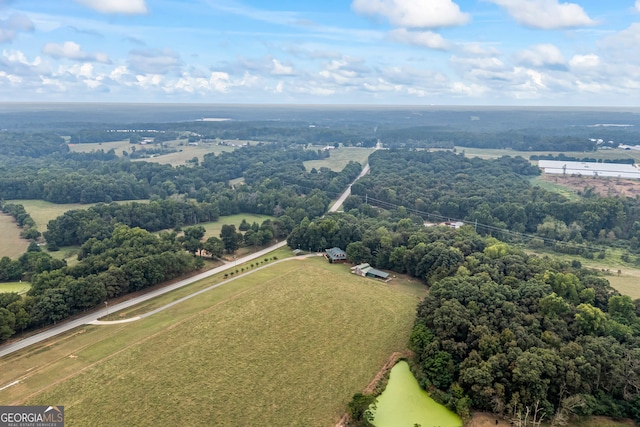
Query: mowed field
pixel 18 287
pixel 11 244
pixel 214 228
pixel 187 152
pixel 494 153
pixel 340 157
pixel 42 212
pixel 287 345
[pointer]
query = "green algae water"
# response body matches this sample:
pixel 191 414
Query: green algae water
pixel 404 404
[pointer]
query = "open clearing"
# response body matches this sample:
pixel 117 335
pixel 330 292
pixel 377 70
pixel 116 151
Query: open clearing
pixel 607 187
pixel 42 212
pixel 186 152
pixel 494 153
pixel 213 228
pixel 288 345
pixel 627 282
pixel 18 287
pixel 11 244
pixel 340 157
pixel 116 146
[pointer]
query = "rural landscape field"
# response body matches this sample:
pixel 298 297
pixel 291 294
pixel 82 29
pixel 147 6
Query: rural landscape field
pixel 280 347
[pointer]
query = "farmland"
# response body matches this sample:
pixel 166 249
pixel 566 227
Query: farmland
pixel 183 154
pixel 11 244
pixel 17 287
pixel 340 157
pixel 213 228
pixel 282 346
pixel 42 212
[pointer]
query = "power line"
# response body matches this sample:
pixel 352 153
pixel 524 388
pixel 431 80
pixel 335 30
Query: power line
pixel 388 205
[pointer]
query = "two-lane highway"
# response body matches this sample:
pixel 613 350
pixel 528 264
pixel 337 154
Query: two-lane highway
pixel 67 326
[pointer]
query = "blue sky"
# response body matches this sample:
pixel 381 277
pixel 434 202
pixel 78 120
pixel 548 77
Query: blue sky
pixel 441 52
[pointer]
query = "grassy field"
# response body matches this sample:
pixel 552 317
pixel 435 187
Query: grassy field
pixel 42 212
pixel 11 244
pixel 492 153
pixel 213 228
pixel 627 282
pixel 19 287
pixel 288 345
pixel 568 192
pixel 116 146
pixel 340 157
pixel 187 152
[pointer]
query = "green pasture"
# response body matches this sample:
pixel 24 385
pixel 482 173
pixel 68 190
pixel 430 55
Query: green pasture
pixel 288 345
pixel 42 212
pixel 568 192
pixel 116 146
pixel 494 153
pixel 340 157
pixel 17 287
pixel 185 152
pixel 11 244
pixel 213 228
pixel 624 277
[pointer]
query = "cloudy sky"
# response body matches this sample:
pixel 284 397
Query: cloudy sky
pixel 443 52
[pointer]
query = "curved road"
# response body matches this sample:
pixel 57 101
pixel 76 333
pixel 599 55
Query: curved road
pixel 93 317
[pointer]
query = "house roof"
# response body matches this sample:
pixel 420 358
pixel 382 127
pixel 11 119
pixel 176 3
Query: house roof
pixel 368 270
pixel 336 253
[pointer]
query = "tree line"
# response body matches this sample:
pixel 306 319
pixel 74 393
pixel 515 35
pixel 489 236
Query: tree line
pixel 127 260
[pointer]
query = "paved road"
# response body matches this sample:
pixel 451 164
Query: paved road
pixel 92 317
pixel 67 326
pixel 347 192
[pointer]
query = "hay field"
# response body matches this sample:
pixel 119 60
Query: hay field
pixel 288 345
pixel 340 157
pixel 18 287
pixel 186 153
pixel 213 228
pixel 11 244
pixel 494 153
pixel 42 212
pixel 117 146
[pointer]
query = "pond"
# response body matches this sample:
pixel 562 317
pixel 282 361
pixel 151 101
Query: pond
pixel 404 404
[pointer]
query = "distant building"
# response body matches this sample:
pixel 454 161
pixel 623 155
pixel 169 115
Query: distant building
pixel 335 255
pixel 454 224
pixel 365 270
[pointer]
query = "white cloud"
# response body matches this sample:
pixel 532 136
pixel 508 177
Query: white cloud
pixel 638 5
pixel 420 38
pixel 585 62
pixel 541 55
pixel 10 27
pixel 126 7
pixel 546 14
pixel 414 13
pixel 477 49
pixel 279 69
pixel 72 50
pixel 622 47
pixel 152 61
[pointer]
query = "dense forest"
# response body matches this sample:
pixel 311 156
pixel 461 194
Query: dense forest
pixel 523 336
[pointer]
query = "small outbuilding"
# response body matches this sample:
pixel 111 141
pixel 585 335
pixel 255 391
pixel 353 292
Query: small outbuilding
pixel 365 270
pixel 335 255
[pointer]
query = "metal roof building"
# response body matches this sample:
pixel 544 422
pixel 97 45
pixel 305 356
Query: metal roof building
pixel 368 271
pixel 336 255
